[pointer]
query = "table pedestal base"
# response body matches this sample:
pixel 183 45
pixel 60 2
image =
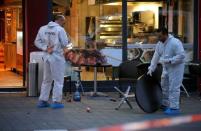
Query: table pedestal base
pixel 96 94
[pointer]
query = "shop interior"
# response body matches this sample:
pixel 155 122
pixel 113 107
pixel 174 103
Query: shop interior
pixel 97 24
pixel 11 45
pixel 101 20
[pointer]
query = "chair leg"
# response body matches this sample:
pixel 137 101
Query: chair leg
pixel 113 76
pixel 67 79
pixel 120 92
pixel 120 104
pixel 80 83
pixel 65 85
pixel 120 88
pixel 70 91
pixel 185 90
pixel 124 98
pixel 126 95
pixel 127 91
pixel 129 104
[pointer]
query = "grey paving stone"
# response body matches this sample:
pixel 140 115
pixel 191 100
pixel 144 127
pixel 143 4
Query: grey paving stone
pixel 18 112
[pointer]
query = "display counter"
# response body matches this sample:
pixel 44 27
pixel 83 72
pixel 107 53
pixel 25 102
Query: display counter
pixel 144 52
pixel 141 52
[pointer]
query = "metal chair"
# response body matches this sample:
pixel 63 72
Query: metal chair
pixel 195 69
pixel 67 79
pixel 128 73
pixel 142 68
pixel 184 88
pixel 125 97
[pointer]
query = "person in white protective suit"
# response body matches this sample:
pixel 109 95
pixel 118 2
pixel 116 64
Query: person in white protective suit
pixel 53 40
pixel 170 52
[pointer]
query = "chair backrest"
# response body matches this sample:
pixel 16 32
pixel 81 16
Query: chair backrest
pixel 128 70
pixel 143 68
pixel 195 68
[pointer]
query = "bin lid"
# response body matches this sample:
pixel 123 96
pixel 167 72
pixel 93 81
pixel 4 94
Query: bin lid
pixel 36 56
pixel 148 93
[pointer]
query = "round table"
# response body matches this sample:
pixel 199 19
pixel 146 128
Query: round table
pixel 95 93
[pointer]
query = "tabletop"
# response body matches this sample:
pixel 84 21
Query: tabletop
pixel 98 65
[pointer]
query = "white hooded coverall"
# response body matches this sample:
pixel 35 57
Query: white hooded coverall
pixel 54 35
pixel 171 50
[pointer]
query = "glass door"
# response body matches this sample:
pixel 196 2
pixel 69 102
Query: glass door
pixel 11 45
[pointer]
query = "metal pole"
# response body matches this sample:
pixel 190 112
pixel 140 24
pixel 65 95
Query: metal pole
pixel 50 15
pixel 168 5
pixel 95 80
pixel 196 30
pixel 124 30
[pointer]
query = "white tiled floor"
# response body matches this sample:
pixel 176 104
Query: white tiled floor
pixel 10 79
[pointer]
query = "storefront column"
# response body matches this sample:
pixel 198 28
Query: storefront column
pixel 196 29
pixel 124 30
pixel 36 14
pixel 199 12
pixel 197 36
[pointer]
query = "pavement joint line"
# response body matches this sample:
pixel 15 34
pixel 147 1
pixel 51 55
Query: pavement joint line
pixel 157 123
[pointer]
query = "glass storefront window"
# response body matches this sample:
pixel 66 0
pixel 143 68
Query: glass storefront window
pixel 175 15
pixel 97 25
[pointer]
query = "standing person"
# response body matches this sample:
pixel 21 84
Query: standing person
pixel 171 53
pixel 52 39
